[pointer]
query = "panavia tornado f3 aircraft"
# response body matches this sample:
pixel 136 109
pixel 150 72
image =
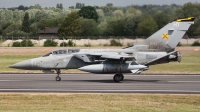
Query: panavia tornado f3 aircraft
pixel 157 49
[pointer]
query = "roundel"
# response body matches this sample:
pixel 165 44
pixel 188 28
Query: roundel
pixel 165 36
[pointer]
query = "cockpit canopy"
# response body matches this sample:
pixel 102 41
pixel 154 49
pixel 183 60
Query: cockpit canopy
pixel 62 52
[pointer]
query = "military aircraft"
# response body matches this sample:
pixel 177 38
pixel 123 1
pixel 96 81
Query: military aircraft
pixel 157 49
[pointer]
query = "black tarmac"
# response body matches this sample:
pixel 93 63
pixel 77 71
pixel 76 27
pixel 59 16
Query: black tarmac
pixel 99 83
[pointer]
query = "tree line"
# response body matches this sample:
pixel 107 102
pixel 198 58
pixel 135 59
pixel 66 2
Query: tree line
pixel 86 21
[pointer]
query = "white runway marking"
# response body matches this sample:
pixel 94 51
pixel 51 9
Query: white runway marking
pixel 11 80
pixel 134 75
pixel 186 81
pixel 58 90
pixel 164 75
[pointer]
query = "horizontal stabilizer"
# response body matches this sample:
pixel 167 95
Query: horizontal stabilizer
pixel 154 60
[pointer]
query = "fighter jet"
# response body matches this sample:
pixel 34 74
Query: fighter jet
pixel 159 48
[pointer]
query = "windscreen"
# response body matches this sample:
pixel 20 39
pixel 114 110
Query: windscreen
pixel 47 54
pixel 73 51
pixel 62 52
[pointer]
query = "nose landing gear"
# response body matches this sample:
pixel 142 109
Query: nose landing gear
pixel 58 78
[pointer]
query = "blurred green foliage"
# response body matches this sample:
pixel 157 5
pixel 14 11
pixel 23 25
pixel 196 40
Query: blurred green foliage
pixel 24 43
pixel 50 43
pixel 113 42
pixel 196 43
pixel 90 21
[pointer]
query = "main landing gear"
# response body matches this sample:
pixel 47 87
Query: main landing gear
pixel 58 78
pixel 118 77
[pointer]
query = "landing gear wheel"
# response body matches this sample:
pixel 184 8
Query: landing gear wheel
pixel 118 77
pixel 58 78
pixel 122 78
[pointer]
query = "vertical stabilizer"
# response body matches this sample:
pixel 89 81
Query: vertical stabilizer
pixel 170 35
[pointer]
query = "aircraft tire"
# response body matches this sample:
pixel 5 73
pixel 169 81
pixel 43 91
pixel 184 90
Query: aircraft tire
pixel 122 78
pixel 118 77
pixel 58 78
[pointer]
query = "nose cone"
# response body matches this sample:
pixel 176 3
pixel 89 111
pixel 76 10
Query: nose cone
pixel 85 68
pixel 27 65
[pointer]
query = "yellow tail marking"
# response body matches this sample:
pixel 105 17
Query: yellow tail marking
pixel 179 20
pixel 165 36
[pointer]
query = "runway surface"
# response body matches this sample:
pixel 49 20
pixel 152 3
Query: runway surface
pixel 98 83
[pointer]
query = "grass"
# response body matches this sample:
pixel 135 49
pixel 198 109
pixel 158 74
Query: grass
pixel 66 102
pixel 189 65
